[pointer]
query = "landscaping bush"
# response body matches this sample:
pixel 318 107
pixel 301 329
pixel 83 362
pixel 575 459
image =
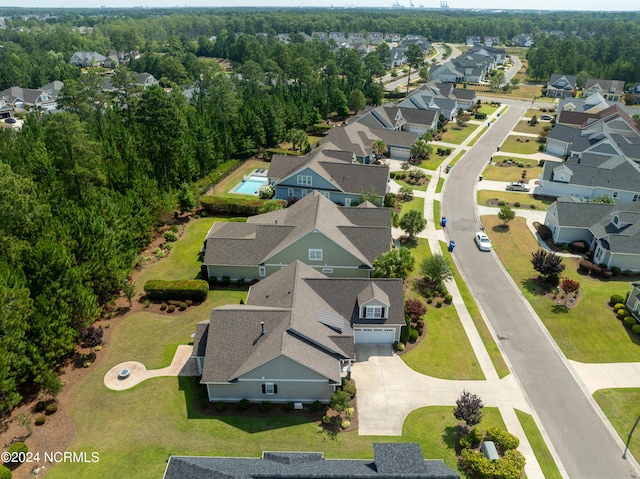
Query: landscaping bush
pixel 635 329
pixel 171 308
pixel 40 406
pixel 580 247
pixel 429 300
pixel 204 184
pixel 606 274
pixel 404 334
pixel 471 440
pixel 163 306
pixel 400 346
pixel 510 466
pixel 595 269
pixel 439 304
pixel 40 420
pixel 236 206
pixel 21 449
pixel 615 270
pixel 5 472
pixel 171 236
pixel 345 424
pixel 182 306
pixel 501 203
pixel 413 335
pixel 225 281
pixel 503 439
pixel 584 266
pixel 532 206
pixel 619 306
pixel 244 404
pixel 221 406
pixel 544 232
pixel 616 298
pixel 51 409
pixel 448 299
pixel 194 289
pixel 316 406
pixel 630 321
pixel 265 406
pixel 516 204
pixel 420 324
pixel 326 419
pixel 290 406
pixel 622 312
pixel 349 387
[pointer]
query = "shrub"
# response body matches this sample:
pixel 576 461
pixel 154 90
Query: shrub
pixel 51 408
pixel 194 289
pixel 414 309
pixel 5 472
pixel 630 321
pixel 316 406
pixel 616 298
pixel 167 246
pixel 221 406
pixel 635 329
pixel 517 204
pixel 622 311
pixel 350 388
pixel 290 406
pixel 544 232
pixel 265 406
pixel 619 306
pixel 439 304
pixel 532 206
pixel 225 281
pixel 501 203
pixel 244 404
pixel 606 274
pixel 20 448
pixel 349 412
pixel 345 424
pixel 160 255
pixel 217 205
pixel 420 324
pixel 413 335
pixel 189 302
pixel 182 306
pixel 503 439
pixel 584 266
pixel 448 299
pixel 40 420
pixel 420 330
pixel 580 247
pixel 615 270
pixel 404 334
pixel 429 300
pixel 240 282
pixel 326 419
pixel 471 440
pixel 170 236
pixel 40 406
pixel 400 346
pixel 171 308
pixel 163 306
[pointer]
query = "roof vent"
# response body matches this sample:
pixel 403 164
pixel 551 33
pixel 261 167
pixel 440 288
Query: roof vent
pixel 262 327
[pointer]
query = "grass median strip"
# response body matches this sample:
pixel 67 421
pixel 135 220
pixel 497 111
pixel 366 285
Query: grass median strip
pixel 540 450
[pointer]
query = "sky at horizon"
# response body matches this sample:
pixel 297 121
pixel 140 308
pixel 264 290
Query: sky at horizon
pixel 554 5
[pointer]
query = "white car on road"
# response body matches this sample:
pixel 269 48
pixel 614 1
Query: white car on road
pixel 518 186
pixel 482 241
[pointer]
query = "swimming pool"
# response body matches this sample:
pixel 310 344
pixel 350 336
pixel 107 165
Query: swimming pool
pixel 250 186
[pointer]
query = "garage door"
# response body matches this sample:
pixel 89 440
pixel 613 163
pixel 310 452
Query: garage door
pixel 555 149
pixel 399 153
pixel 374 335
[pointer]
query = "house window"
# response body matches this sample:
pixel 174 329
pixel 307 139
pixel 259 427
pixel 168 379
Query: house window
pixel 289 192
pixel 326 194
pixel 315 255
pixel 374 312
pixel 347 201
pixel 599 253
pixel 636 198
pixel 304 180
pixel 262 271
pixel 269 388
pixel 615 195
pixel 305 193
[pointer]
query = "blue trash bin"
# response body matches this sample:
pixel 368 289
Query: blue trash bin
pixel 443 221
pixel 452 244
pixel 448 167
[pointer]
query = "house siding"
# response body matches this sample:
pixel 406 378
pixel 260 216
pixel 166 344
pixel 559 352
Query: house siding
pixel 233 272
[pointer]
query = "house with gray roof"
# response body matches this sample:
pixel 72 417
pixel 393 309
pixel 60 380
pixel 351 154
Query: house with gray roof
pixel 390 461
pixel 87 59
pixel 294 339
pixel 611 90
pixel 337 241
pixel 523 40
pixel 23 98
pixel 561 86
pixel 612 231
pixel 392 117
pixel 436 96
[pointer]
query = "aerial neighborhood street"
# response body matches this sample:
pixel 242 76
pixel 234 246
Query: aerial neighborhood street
pixel 236 245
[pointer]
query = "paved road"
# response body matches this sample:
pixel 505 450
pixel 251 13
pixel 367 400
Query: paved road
pixel 588 448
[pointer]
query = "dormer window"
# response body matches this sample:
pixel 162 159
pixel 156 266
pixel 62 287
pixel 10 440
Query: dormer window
pixel 304 180
pixel 616 221
pixel 374 312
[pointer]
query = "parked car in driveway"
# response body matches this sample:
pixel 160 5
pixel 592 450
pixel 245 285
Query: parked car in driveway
pixel 519 186
pixel 482 241
pixel 10 120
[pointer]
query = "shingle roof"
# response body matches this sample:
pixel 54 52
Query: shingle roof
pixel 365 233
pixel 307 318
pixel 615 173
pixel 391 461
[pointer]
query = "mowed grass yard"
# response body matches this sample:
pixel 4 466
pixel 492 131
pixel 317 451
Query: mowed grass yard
pixel 519 144
pixel 483 197
pixel 227 184
pixel 589 332
pixel 496 172
pixel 457 135
pixel 621 408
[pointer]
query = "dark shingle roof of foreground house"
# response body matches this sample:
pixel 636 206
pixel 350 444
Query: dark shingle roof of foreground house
pixel 391 461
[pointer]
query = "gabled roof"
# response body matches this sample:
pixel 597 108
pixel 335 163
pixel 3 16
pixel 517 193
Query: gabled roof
pixel 297 313
pixel 605 85
pixel 596 171
pixel 391 461
pixel 621 240
pixel 364 233
pixel 559 81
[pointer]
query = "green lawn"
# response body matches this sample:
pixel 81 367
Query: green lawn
pixel 523 147
pixel 525 127
pixel 457 135
pixel 483 196
pixel 494 172
pixel 415 204
pixel 487 109
pixel 621 408
pixel 483 330
pixel 589 332
pixel 541 451
pixel 436 213
pixel 440 185
pixel 433 162
pixel 182 262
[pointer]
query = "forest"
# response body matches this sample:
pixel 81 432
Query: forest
pixel 81 190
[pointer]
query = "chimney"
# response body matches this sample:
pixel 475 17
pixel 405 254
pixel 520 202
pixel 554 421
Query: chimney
pixel 262 326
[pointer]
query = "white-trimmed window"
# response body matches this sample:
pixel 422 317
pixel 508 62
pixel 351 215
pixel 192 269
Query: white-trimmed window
pixel 303 180
pixel 262 271
pixel 636 198
pixel 599 252
pixel 374 312
pixel 326 194
pixel 315 255
pixel 305 193
pixel 269 388
pixel 290 192
pixel 614 195
pixel 347 201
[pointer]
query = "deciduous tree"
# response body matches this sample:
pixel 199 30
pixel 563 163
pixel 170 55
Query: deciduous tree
pixel 435 269
pixel 468 409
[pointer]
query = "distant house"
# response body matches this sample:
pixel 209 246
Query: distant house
pixel 23 98
pixel 611 231
pixel 391 117
pixel 87 59
pixel 398 56
pixel 473 40
pixel 443 98
pixel 523 40
pixel 337 241
pixel 391 461
pixel 142 80
pixel 491 41
pixel 611 90
pixel 294 338
pixel 561 86
pixel 633 301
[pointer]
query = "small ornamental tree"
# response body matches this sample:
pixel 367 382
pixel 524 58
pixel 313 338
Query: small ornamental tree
pixel 468 409
pixel 506 214
pixel 397 263
pixel 412 222
pixel 340 400
pixel 414 309
pixel 548 265
pixel 569 286
pixel 435 269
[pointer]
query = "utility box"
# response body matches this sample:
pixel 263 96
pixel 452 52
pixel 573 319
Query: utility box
pixel 488 448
